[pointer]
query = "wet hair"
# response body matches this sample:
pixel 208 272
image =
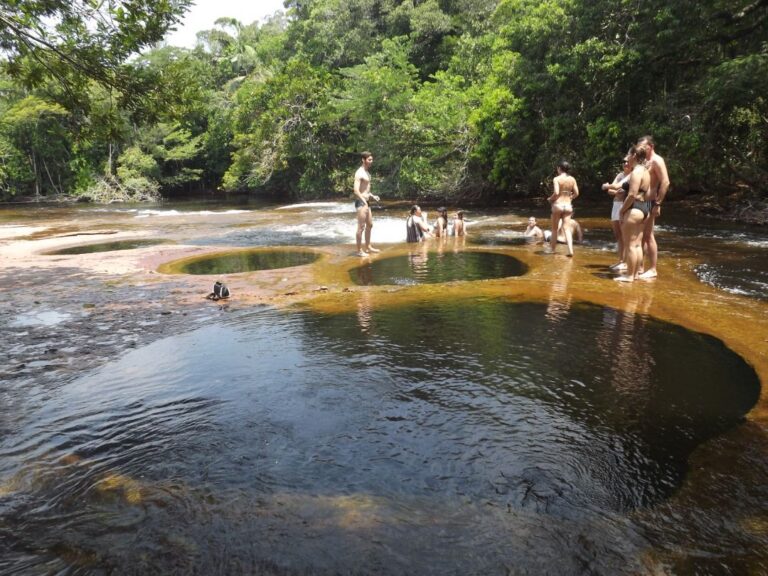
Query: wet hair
pixel 414 208
pixel 365 155
pixel 647 139
pixel 641 152
pixel 460 214
pixel 443 212
pixel 564 166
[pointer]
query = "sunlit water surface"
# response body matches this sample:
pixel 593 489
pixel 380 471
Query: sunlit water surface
pixel 477 437
pixel 433 439
pixel 435 267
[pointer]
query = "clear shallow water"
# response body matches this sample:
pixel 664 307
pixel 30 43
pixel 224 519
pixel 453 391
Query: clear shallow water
pixel 431 439
pixel 733 255
pixel 463 439
pixel 107 247
pixel 246 261
pixel 428 267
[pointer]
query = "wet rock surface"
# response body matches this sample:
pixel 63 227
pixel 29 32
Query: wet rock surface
pixel 61 322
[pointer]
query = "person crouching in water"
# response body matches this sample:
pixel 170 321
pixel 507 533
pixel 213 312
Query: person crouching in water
pixel 533 232
pixel 416 228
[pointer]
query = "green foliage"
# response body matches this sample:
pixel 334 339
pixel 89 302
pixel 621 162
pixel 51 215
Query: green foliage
pixel 37 129
pixel 72 40
pixel 135 163
pixel 275 138
pixel 162 154
pixel 456 98
pixel 373 106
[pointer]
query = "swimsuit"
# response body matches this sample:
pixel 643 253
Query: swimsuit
pixel 563 206
pixel 644 206
pixel 359 204
pixel 413 232
pixel 616 210
pixel 617 204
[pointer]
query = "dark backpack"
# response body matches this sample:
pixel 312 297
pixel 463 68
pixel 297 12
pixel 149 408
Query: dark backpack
pixel 220 291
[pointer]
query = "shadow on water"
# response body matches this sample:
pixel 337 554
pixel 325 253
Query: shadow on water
pixel 474 437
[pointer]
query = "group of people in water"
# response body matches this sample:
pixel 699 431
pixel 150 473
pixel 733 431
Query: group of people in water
pixel 638 192
pixel 417 225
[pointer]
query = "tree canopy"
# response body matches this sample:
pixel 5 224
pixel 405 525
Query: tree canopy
pixel 457 98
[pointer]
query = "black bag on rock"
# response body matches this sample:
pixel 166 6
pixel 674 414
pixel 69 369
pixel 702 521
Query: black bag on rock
pixel 220 291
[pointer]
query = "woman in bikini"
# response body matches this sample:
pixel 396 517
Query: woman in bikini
pixel 616 190
pixel 635 210
pixel 565 192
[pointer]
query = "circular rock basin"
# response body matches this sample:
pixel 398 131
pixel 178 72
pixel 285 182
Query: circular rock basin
pixel 522 434
pixel 435 268
pixel 241 261
pixel 106 247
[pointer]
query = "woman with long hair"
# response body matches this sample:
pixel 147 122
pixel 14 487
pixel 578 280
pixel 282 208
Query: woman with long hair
pixel 635 210
pixel 566 190
pixel 616 190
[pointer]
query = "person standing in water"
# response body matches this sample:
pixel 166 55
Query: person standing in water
pixel 636 210
pixel 659 187
pixel 619 195
pixel 565 192
pixel 362 190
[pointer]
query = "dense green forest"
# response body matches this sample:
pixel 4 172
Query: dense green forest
pixel 457 99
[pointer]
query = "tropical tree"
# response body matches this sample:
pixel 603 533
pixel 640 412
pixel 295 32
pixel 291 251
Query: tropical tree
pixel 75 39
pixel 37 129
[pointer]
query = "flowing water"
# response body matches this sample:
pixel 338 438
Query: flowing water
pixel 416 419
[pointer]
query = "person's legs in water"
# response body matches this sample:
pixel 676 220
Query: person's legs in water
pixel 632 228
pixel 567 231
pixel 650 248
pixel 363 214
pixel 368 226
pixel 556 215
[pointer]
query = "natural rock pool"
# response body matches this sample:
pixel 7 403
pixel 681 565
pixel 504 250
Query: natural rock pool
pixel 240 261
pixel 506 412
pixel 427 267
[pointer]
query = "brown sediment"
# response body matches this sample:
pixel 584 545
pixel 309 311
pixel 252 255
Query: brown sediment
pixel 676 296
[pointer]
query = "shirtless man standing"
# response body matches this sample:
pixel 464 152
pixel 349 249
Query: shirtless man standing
pixel 659 187
pixel 362 197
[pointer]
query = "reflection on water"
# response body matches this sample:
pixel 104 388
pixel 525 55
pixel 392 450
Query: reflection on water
pixel 245 261
pixel 442 264
pixel 559 296
pixel 456 438
pixel 744 273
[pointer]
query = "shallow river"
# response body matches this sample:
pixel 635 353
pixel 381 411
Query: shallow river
pixel 465 406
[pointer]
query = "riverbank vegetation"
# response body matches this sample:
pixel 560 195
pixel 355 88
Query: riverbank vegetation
pixel 458 99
